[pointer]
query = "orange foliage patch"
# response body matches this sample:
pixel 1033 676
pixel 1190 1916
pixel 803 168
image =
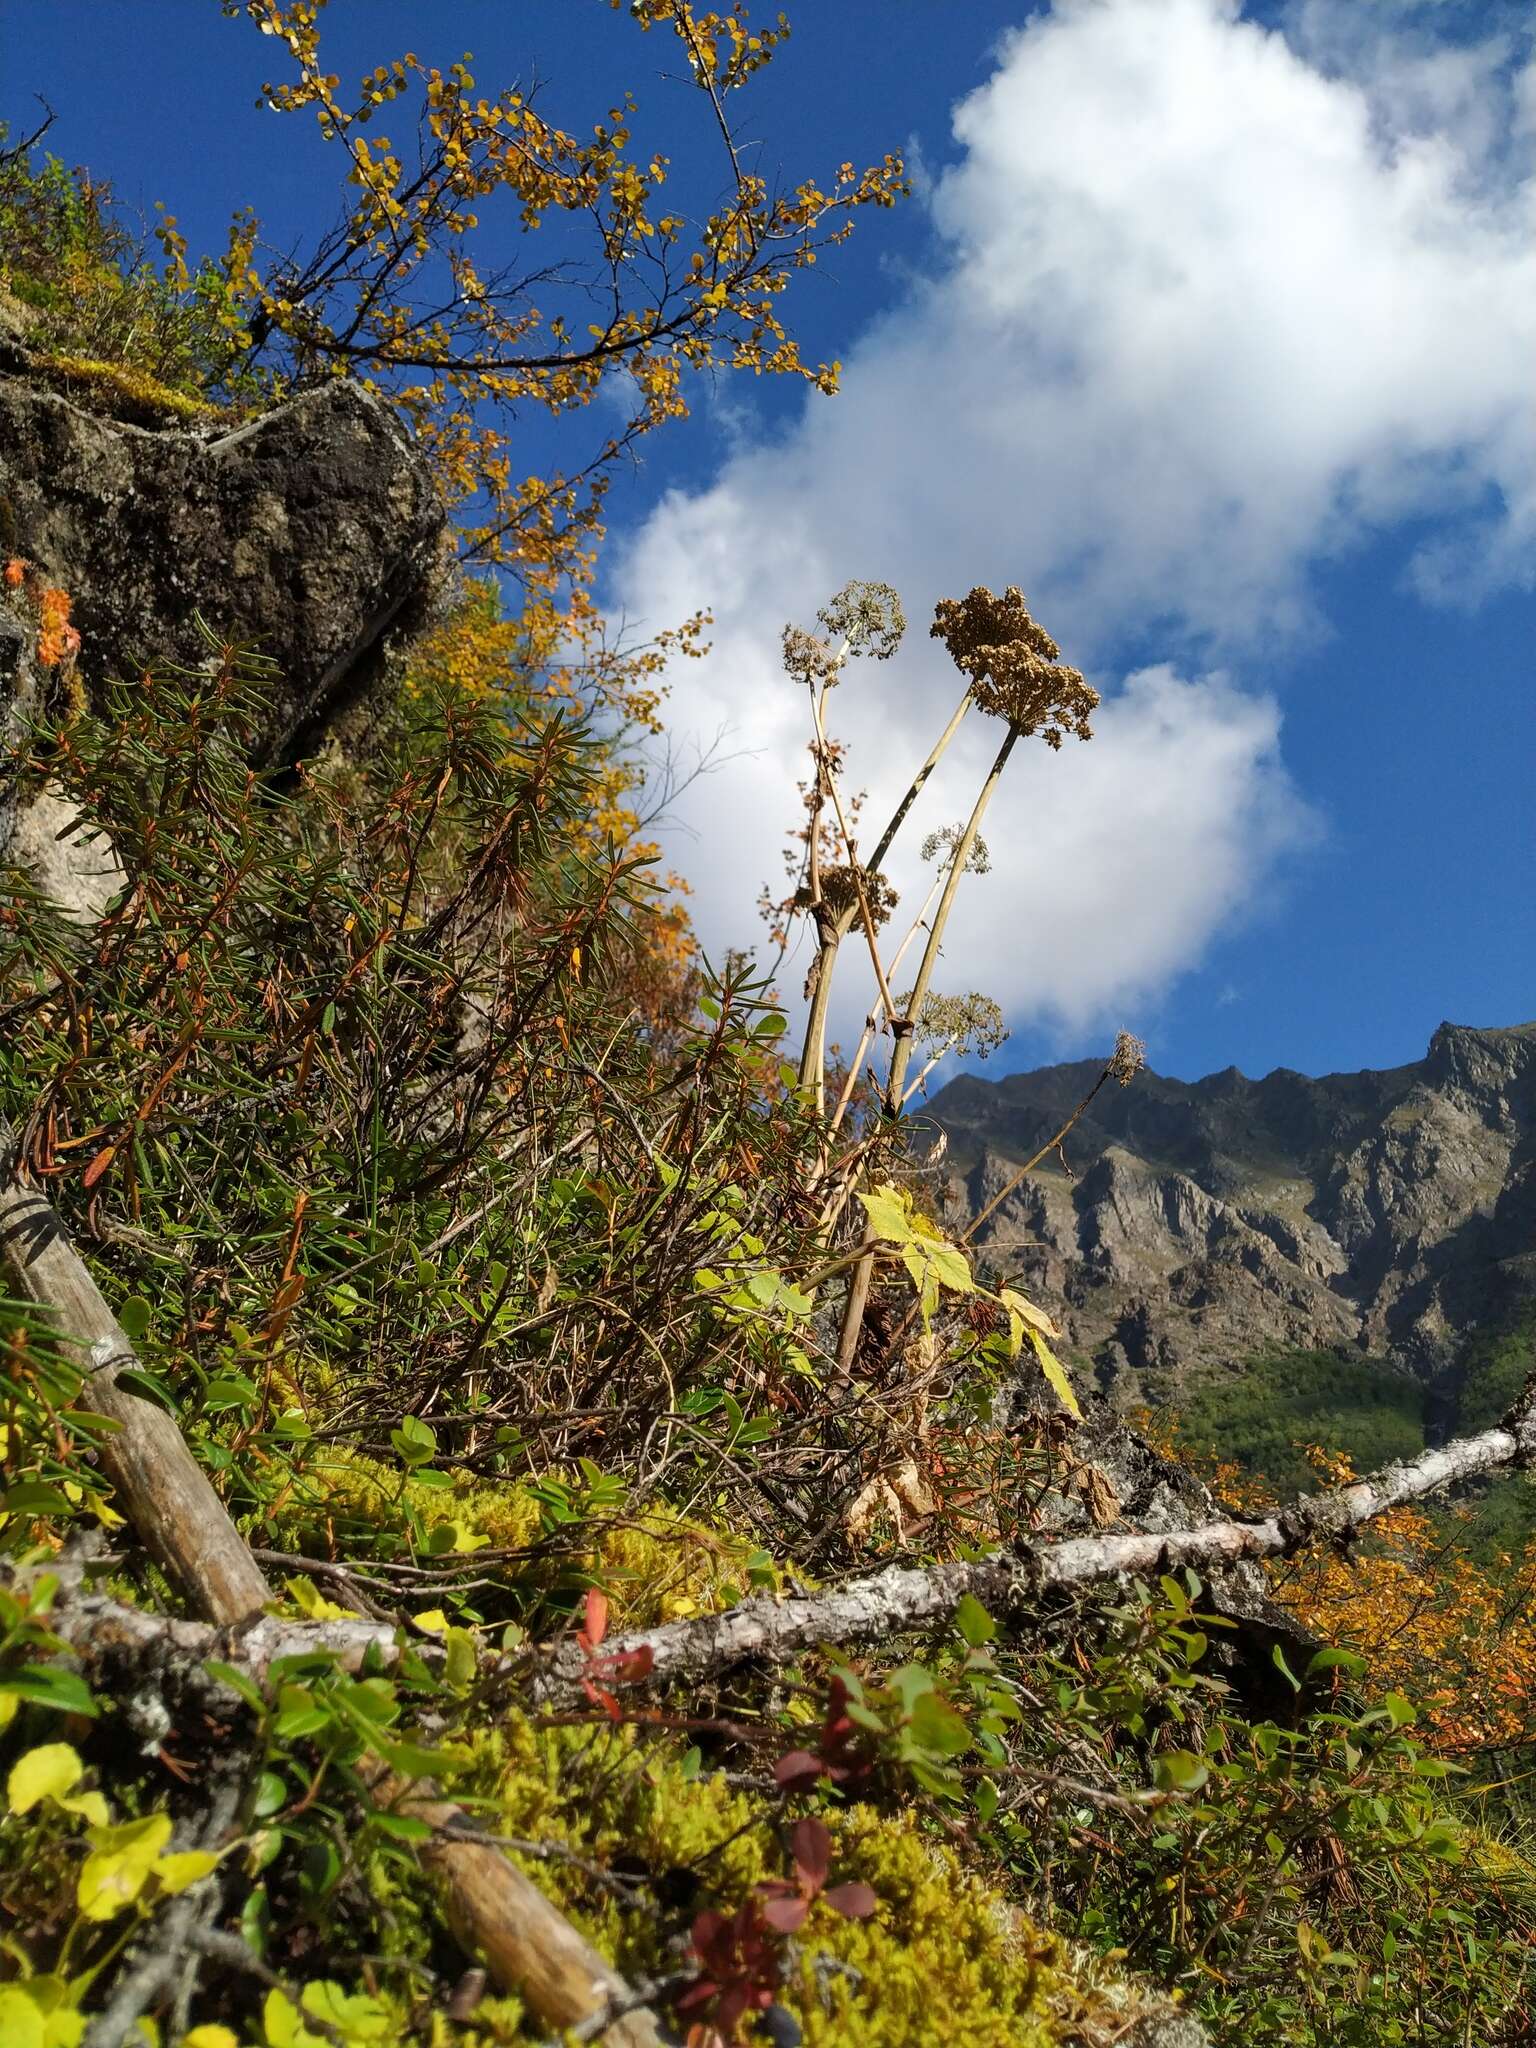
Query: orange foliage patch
pixel 57 639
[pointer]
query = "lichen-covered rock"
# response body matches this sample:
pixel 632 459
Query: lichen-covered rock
pixel 312 531
pixel 73 868
pixel 1167 2029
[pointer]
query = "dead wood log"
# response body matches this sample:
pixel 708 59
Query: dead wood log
pixel 159 1486
pixel 529 1945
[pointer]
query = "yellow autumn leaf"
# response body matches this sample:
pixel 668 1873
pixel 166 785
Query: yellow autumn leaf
pixel 46 1773
pixel 115 1872
pixel 1023 1307
pixel 90 1806
pixel 210 2037
pixel 434 1620
pixel 312 1603
pixel 1055 1373
pixel 21 2023
pixel 185 1867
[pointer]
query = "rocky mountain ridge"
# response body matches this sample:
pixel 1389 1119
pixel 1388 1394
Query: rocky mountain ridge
pixel 1387 1214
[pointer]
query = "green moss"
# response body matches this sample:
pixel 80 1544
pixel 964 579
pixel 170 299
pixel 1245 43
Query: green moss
pixel 655 1564
pixel 942 1957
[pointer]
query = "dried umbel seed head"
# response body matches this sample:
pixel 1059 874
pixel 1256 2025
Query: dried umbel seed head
pixel 963 1024
pixel 1128 1058
pixel 868 616
pixel 1013 666
pixel 807 657
pixel 840 893
pixel 941 845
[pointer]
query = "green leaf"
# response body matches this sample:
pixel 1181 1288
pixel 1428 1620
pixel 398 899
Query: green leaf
pixel 238 1682
pixel 234 1392
pixel 1277 1658
pixel 415 1441
pixel 1337 1660
pixel 934 1725
pixel 271 1795
pixel 401 1827
pixel 974 1622
pixel 460 1659
pixel 32 1497
pixel 1180 1770
pixel 46 1685
pixel 135 1317
pixel 134 1380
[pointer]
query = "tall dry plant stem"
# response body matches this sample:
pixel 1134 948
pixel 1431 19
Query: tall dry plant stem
pixel 1126 1061
pixel 904 1029
pixel 813 1051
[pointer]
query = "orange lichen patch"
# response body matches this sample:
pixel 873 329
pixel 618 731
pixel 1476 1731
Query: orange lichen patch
pixel 15 574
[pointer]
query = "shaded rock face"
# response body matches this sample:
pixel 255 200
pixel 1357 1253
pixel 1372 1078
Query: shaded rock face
pixel 312 532
pixel 1388 1213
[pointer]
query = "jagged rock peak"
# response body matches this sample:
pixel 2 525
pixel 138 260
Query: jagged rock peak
pixel 1388 1212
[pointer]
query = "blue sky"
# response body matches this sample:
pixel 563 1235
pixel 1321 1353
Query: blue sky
pixel 1214 330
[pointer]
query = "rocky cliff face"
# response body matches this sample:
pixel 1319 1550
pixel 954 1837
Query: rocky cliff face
pixel 1386 1213
pixel 312 532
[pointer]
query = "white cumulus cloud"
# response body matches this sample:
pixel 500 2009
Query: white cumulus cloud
pixel 1210 306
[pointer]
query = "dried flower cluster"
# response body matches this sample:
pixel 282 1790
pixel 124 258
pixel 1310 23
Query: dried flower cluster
pixel 868 616
pixel 1128 1058
pixel 965 1024
pixel 1013 665
pixel 808 658
pixel 839 893
pixel 941 845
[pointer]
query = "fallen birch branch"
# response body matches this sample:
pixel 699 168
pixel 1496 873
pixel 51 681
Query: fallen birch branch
pixel 903 1597
pixel 897 1600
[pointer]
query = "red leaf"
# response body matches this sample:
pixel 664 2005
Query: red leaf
pixel 853 1901
pixel 797 1770
pixel 597 1619
pixel 707 1929
pixel 785 1915
pixel 98 1166
pixel 811 1847
pixel 627 1665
